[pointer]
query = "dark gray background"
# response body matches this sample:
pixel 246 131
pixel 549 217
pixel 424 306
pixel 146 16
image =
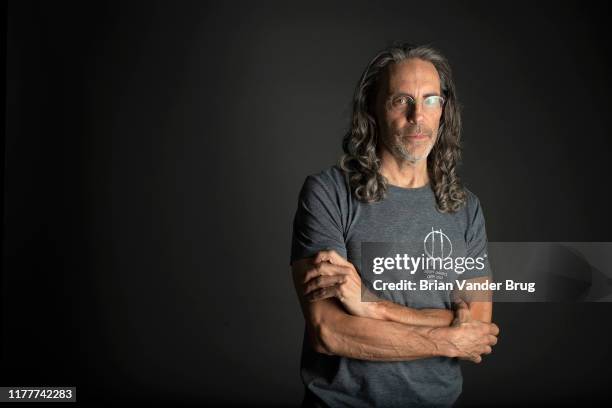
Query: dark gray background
pixel 154 152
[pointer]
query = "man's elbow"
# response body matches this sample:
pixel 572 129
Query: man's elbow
pixel 322 338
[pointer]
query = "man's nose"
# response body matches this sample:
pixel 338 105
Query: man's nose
pixel 415 115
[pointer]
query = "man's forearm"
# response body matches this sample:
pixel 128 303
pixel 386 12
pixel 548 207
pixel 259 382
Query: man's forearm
pixel 385 310
pixel 378 340
pixel 339 322
pixel 481 309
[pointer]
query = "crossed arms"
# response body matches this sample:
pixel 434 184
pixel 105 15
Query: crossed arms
pixel 339 323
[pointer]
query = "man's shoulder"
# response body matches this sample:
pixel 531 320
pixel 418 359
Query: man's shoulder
pixel 471 197
pixel 472 207
pixel 331 179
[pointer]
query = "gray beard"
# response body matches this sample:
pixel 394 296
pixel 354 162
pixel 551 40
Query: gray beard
pixel 401 152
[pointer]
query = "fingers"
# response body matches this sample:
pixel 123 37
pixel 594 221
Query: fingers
pixel 324 268
pixel 487 328
pixel 463 315
pixel 462 310
pixel 330 256
pixel 490 338
pixel 475 358
pixel 327 275
pixel 324 293
pixel 323 281
pixel 460 304
pixel 483 345
pixel 485 349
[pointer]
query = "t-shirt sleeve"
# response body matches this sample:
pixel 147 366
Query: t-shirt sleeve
pixel 476 239
pixel 317 224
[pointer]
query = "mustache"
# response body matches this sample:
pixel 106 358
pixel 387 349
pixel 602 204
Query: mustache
pixel 414 130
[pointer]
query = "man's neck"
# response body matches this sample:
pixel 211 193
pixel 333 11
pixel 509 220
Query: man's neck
pixel 403 173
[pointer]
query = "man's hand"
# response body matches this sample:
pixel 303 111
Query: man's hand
pixel 468 338
pixel 337 331
pixel 331 275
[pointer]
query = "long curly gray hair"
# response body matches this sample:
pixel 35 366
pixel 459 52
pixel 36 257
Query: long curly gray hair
pixel 360 161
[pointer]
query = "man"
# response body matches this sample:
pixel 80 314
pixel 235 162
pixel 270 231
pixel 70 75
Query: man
pixel 396 181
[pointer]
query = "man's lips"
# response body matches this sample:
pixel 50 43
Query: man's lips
pixel 417 136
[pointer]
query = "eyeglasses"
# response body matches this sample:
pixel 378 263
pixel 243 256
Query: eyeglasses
pixel 402 103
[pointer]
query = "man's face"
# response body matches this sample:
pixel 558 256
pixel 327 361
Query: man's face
pixel 409 130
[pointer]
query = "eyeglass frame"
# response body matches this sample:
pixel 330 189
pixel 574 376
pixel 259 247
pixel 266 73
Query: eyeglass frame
pixel 413 102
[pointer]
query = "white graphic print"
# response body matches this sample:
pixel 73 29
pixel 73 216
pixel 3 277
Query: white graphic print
pixel 437 244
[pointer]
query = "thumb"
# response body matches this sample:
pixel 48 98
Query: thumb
pixel 462 310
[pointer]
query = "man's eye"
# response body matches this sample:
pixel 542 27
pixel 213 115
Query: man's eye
pixel 402 100
pixel 433 101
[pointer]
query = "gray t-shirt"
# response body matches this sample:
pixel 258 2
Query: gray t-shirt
pixel 330 217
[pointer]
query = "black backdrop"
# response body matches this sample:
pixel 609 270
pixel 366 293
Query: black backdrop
pixel 154 152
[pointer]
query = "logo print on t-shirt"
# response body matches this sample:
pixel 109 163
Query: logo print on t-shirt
pixel 437 244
